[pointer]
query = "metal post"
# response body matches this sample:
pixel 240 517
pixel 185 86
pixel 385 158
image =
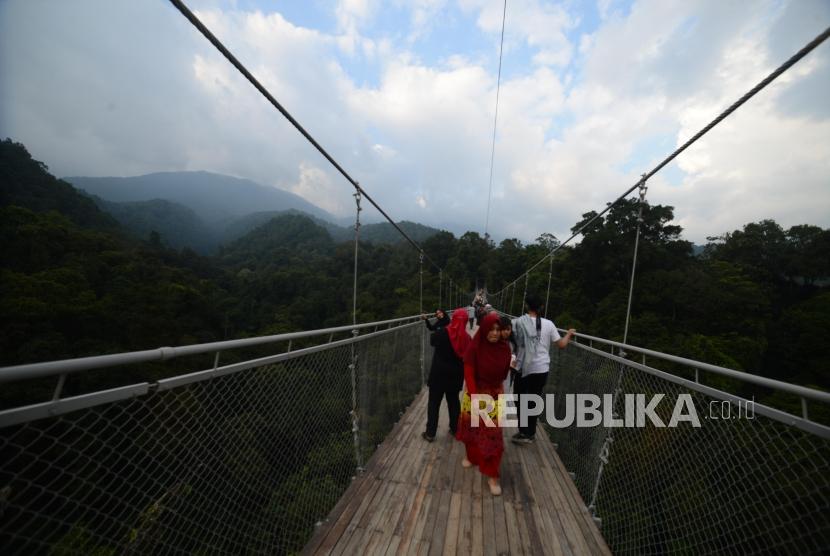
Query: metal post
pixel 353 364
pixel 59 387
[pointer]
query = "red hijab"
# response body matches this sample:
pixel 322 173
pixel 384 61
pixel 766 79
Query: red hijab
pixel 457 331
pixel 490 361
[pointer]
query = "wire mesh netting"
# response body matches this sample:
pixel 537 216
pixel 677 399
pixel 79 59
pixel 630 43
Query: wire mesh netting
pixel 740 483
pixel 242 463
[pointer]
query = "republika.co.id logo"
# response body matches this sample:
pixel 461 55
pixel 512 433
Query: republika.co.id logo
pixel 591 410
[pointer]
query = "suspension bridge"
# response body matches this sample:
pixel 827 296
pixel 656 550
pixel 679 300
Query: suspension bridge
pixel 309 442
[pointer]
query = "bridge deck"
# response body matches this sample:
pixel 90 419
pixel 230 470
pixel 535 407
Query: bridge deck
pixel 415 498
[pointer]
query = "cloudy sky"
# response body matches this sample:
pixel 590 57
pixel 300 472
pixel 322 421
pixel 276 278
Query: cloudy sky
pixel 402 94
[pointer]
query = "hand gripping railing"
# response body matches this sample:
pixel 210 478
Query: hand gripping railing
pixel 751 479
pixel 240 458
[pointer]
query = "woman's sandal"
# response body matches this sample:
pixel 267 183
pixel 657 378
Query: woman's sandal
pixel 465 463
pixel 495 489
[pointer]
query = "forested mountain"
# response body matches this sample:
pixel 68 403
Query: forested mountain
pixel 213 197
pixel 177 225
pixel 203 211
pixel 74 284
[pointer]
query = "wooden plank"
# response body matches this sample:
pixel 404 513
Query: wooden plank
pixel 444 487
pixel 534 534
pixel 583 517
pixel 502 543
pixel 406 526
pixel 487 521
pixel 390 517
pixel 464 542
pixel 453 521
pixel 522 543
pixel 477 532
pixel 386 456
pixel 557 515
pixel 561 506
pixel 328 534
pixel 364 527
pixel 416 541
pixel 353 519
pixel 514 541
pixel 550 536
pixel 392 549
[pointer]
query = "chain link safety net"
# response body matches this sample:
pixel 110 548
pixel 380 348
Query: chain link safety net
pixel 740 483
pixel 242 463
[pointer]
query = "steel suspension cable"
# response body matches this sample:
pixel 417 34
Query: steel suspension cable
pixel 495 123
pixel 809 47
pixel 185 11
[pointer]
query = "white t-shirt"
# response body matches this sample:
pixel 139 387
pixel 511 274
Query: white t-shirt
pixel 541 359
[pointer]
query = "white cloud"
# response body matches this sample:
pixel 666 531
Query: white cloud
pixel 102 98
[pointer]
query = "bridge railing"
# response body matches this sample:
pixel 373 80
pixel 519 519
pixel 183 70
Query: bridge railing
pixel 750 479
pixel 240 458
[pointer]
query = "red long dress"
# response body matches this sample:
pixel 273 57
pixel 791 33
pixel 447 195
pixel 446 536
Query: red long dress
pixel 486 367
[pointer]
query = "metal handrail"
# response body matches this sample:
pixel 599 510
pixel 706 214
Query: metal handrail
pixel 66 366
pixel 801 391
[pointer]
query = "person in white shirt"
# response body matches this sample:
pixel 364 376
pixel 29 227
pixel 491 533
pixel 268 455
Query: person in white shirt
pixel 534 336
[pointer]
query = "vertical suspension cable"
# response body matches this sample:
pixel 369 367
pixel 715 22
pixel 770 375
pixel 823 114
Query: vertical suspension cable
pixel 605 451
pixel 353 365
pixel 547 295
pixel 440 283
pixel 643 190
pixel 512 296
pixel 421 309
pixel 524 295
pixel 495 123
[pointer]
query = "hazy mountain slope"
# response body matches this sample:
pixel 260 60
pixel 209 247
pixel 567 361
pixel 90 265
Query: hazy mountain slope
pixel 177 225
pixel 213 197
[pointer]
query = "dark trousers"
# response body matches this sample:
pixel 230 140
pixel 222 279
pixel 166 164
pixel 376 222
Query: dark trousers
pixel 436 394
pixel 530 384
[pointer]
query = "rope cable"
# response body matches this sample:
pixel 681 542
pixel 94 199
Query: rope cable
pixel 185 11
pixel 495 122
pixel 809 47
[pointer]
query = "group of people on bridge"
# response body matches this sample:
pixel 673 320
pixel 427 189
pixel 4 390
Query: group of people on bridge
pixel 499 348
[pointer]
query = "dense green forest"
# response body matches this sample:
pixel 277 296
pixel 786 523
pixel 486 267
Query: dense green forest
pixel 74 283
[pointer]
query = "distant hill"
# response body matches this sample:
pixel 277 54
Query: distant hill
pixel 285 239
pixel 379 233
pixel 177 225
pixel 202 210
pixel 238 227
pixel 213 197
pixel 384 232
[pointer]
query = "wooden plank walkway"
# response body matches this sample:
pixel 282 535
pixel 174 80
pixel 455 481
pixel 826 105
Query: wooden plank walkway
pixel 415 498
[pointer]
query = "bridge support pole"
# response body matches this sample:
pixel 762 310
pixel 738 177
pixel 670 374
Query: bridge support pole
pixel 358 456
pixel 421 309
pixel 547 295
pixel 605 451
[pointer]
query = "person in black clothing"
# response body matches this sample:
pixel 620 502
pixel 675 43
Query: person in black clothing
pixel 446 376
pixel 441 320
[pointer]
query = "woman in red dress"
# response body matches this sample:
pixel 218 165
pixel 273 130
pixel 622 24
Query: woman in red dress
pixel 486 364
